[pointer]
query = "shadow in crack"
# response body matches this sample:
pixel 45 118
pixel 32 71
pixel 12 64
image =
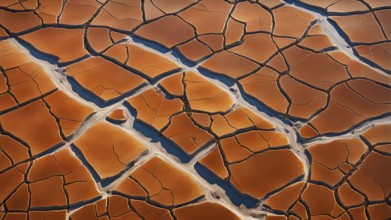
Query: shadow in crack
pixel 220 77
pixel 71 207
pixel 81 157
pixel 186 62
pixel 150 44
pixel 36 53
pixel 47 57
pixel 106 181
pixel 84 93
pixel 183 59
pixel 174 52
pixel 157 204
pixel 76 87
pixel 91 97
pixel 140 73
pixel 308 7
pixel 361 58
pixel 263 108
pixel 235 196
pixel 156 137
pixel 322 12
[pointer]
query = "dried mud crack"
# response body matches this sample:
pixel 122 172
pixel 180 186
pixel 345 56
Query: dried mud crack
pixel 195 109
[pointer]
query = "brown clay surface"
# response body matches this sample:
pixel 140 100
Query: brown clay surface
pixel 117 115
pixel 103 78
pixel 108 149
pixel 150 64
pixel 18 22
pixel 365 25
pixel 205 210
pixel 168 31
pixel 76 12
pixel 192 132
pixel 99 38
pixel 47 41
pixel 204 96
pixel 162 182
pixel 195 50
pixel 155 181
pixel 29 89
pixel 351 104
pixel 280 167
pixel 347 176
pixel 118 207
pixel 68 112
pixel 185 109
pixel 120 15
pixel 60 175
pixel 25 83
pixel 229 64
pixel 154 109
pixel 188 136
pixel 252 152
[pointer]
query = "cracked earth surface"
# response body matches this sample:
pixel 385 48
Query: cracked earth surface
pixel 195 109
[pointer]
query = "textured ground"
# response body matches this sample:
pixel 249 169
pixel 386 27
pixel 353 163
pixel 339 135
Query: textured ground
pixel 195 109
